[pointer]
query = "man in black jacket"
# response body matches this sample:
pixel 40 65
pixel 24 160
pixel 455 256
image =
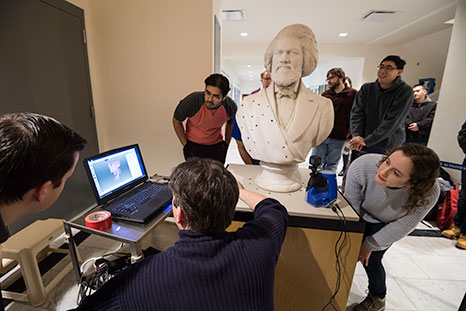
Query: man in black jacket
pixel 420 117
pixel 380 109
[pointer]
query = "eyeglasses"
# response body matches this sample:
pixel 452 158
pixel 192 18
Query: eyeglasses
pixel 388 68
pixel 330 78
pixel 267 79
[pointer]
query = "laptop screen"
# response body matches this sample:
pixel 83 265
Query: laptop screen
pixel 115 169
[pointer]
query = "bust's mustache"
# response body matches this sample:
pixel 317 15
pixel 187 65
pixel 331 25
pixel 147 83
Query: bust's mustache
pixel 286 76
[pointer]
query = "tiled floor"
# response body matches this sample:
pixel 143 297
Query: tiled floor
pixel 423 273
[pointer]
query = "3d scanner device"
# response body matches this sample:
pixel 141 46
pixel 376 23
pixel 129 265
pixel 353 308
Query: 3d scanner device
pixel 321 190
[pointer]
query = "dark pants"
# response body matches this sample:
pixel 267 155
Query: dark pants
pixel 460 217
pixel 216 152
pixel 375 270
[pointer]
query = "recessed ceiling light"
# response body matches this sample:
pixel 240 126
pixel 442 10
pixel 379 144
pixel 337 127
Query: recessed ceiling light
pixel 249 71
pixel 451 21
pixel 249 66
pixel 244 34
pixel 343 34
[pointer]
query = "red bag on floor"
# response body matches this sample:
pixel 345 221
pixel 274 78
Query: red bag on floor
pixel 447 210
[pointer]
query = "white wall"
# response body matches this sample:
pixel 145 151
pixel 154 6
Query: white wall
pixel 425 57
pixel 416 67
pixel 353 67
pixel 451 108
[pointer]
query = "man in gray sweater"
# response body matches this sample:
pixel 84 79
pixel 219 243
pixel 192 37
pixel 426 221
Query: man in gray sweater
pixel 380 109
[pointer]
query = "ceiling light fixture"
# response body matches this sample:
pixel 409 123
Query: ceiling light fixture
pixel 343 34
pixel 379 16
pixel 450 22
pixel 234 15
pixel 249 66
pixel 244 34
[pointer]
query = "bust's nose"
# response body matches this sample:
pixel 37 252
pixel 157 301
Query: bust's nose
pixel 285 57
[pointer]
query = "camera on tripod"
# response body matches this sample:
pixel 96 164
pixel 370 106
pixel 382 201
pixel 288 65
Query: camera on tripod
pixel 321 188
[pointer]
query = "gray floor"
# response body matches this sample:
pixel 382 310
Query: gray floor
pixel 423 273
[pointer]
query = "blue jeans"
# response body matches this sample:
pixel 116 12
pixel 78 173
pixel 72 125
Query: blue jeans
pixel 330 151
pixel 460 217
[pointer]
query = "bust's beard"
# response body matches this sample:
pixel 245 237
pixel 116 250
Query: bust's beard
pixel 286 77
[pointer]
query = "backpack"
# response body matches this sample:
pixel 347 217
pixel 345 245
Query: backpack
pixel 447 210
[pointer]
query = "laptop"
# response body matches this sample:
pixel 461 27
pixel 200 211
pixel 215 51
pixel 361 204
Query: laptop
pixel 120 184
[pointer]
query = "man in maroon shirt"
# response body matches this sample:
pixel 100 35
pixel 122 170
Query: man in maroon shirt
pixel 342 98
pixel 205 113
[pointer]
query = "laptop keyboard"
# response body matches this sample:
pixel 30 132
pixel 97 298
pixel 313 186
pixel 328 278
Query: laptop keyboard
pixel 130 205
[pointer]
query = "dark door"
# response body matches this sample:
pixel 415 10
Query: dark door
pixel 44 69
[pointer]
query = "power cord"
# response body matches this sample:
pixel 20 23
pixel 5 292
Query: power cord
pixel 105 269
pixel 338 249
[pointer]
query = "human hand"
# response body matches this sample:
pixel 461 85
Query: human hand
pixel 413 127
pixel 356 143
pixel 364 254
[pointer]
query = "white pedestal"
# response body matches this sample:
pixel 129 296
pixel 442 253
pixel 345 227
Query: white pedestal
pixel 278 178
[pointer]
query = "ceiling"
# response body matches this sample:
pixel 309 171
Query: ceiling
pixel 265 18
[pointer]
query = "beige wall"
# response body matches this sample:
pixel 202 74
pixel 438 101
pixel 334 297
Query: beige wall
pixel 451 108
pixel 145 56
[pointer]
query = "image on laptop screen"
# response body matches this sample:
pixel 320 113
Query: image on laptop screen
pixel 116 170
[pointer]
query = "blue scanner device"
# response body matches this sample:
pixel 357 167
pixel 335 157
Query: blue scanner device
pixel 321 188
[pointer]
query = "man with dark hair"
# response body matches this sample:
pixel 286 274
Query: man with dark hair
pixel 208 268
pixel 206 112
pixel 380 109
pixel 37 155
pixel 420 117
pixel 342 97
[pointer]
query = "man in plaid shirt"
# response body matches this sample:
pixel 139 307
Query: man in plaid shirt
pixel 342 97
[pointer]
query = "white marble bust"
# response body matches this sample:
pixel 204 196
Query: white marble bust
pixel 279 125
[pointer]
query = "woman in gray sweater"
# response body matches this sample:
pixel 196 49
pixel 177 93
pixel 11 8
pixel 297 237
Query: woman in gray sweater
pixel 392 194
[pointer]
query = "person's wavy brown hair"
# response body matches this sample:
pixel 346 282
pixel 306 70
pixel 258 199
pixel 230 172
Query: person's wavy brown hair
pixel 423 176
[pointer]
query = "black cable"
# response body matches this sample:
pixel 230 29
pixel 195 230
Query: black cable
pixel 338 249
pixel 105 269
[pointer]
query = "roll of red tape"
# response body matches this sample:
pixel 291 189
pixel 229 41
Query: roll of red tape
pixel 101 220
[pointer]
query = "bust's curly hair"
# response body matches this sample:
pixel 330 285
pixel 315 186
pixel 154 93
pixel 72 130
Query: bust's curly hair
pixel 423 176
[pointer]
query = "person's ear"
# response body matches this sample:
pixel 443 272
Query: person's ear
pixel 179 216
pixel 399 72
pixel 40 193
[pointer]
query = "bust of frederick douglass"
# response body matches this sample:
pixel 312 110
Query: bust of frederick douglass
pixel 280 124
